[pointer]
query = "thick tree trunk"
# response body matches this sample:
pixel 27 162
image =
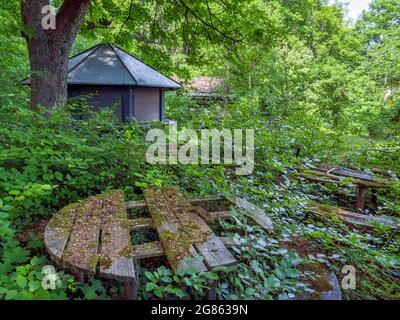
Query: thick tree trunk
pixel 49 49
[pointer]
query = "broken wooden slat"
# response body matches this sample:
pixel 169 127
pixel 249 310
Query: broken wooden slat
pixel 135 204
pixel 336 175
pixel 206 199
pixel 141 223
pixel 220 214
pixel 205 241
pixel 229 243
pixel 55 239
pixel 350 217
pixel 148 250
pixel 257 214
pixel 115 261
pixel 176 243
pixel 58 230
pixel 155 248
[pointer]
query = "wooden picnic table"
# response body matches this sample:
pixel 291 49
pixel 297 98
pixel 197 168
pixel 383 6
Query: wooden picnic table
pixel 355 178
pixel 94 235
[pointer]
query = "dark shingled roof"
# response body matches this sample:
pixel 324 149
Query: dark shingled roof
pixel 106 64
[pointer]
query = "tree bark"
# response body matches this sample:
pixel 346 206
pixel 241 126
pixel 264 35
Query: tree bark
pixel 49 49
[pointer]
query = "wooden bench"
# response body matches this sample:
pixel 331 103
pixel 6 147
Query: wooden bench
pixel 94 236
pixel 354 178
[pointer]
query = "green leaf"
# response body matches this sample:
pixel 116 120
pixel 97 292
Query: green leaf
pixel 33 285
pixel 280 273
pixel 166 279
pixel 150 286
pixel 21 281
pixel 34 261
pixel 59 176
pixel 11 294
pixel 159 291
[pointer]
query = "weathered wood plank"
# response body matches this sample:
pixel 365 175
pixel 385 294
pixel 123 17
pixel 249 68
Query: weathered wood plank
pixel 56 241
pixel 115 253
pixel 336 175
pixel 58 230
pixel 220 214
pixel 135 204
pixel 155 248
pixel 258 215
pixel 148 250
pixel 350 217
pixel 81 252
pixel 141 223
pixel 82 248
pixel 229 243
pixel 205 241
pixel 176 243
pixel 196 201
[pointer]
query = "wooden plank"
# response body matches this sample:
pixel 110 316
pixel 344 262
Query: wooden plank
pixel 135 204
pixel 329 176
pixel 115 253
pixel 155 248
pixel 58 230
pixel 211 216
pixel 148 250
pixel 354 174
pixel 350 217
pixel 229 243
pixel 220 214
pixel 176 243
pixel 56 241
pixel 81 253
pixel 257 214
pixel 205 241
pixel 141 223
pixel 205 199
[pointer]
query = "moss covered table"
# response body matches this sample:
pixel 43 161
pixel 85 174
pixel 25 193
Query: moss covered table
pixel 94 235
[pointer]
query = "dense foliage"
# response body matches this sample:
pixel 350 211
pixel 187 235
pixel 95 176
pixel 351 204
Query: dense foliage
pixel 312 87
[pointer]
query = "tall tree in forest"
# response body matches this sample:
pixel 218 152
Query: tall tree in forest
pixel 49 48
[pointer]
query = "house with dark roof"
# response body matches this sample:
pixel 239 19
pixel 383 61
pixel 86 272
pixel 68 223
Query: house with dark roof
pixel 107 75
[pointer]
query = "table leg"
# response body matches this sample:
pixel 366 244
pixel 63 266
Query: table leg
pixel 130 289
pixel 360 199
pixel 212 294
pixel 80 276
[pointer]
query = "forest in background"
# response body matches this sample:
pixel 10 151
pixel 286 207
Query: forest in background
pixel 313 87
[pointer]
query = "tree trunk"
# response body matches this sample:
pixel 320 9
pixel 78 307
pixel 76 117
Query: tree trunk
pixel 49 49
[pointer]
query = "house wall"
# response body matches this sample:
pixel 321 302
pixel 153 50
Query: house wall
pixel 99 96
pixel 147 104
